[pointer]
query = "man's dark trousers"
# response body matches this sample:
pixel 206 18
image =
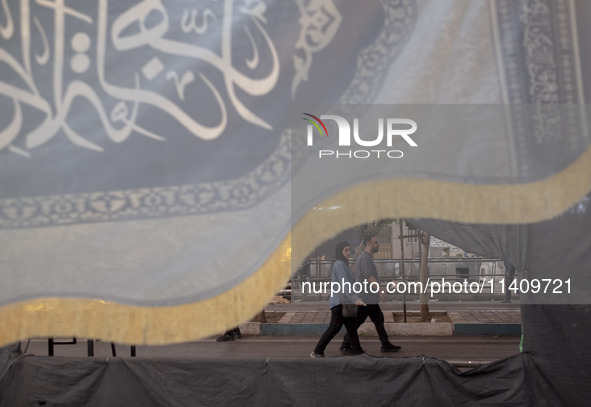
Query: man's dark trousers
pixel 375 314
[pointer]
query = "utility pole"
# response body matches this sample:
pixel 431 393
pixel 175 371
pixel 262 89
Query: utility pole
pixel 401 237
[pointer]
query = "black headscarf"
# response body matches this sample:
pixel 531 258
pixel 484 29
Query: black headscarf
pixel 338 254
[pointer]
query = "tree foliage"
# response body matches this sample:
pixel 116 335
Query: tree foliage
pixel 371 228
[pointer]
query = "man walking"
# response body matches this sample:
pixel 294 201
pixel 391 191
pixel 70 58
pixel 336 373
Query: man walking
pixel 367 274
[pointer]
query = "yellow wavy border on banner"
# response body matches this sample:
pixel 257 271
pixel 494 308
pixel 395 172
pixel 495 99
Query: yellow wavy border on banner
pixel 406 198
pixel 94 318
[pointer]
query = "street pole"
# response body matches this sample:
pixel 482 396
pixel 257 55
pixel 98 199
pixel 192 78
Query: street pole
pixel 401 237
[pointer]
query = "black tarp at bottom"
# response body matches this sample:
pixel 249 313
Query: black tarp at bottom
pixel 520 380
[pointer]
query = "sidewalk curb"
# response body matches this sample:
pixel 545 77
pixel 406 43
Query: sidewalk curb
pixel 486 329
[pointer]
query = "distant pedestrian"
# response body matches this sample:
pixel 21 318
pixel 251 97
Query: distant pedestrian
pixel 303 271
pixel 230 335
pixel 341 275
pixel 509 276
pixel 367 273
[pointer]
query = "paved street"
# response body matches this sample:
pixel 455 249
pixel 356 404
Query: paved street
pixel 460 350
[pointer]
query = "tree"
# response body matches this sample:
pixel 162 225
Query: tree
pixel 372 228
pixel 424 239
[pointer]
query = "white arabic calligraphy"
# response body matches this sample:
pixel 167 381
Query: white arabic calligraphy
pixel 131 30
pixel 43 58
pixel 186 79
pixel 8 29
pixel 190 25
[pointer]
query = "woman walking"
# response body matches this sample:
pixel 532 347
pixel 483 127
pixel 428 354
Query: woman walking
pixel 341 274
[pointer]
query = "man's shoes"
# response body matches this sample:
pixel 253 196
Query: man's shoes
pixel 315 355
pixel 390 348
pixel 225 338
pixel 351 351
pixel 237 333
